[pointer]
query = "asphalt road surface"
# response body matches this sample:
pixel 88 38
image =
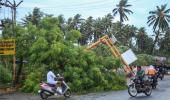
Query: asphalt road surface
pixel 161 93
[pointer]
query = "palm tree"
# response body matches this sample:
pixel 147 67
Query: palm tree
pixel 87 31
pixel 121 8
pixel 77 20
pixel 140 39
pixel 165 43
pixel 160 19
pixel 98 29
pixel 33 17
pixel 107 23
pixel 143 41
pixel 62 23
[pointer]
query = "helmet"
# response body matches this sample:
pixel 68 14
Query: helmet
pixel 58 75
pixel 151 66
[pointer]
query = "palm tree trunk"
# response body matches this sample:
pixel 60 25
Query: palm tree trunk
pixel 120 25
pixel 142 44
pixel 155 41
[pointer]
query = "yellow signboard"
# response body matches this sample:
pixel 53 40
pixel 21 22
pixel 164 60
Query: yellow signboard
pixel 7 46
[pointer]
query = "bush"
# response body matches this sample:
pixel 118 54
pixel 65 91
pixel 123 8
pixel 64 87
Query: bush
pixel 5 75
pixel 32 81
pixel 144 59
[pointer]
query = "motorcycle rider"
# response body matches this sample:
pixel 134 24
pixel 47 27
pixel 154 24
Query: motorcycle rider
pixel 140 72
pixel 140 75
pixel 161 68
pixel 51 80
pixel 55 86
pixel 152 72
pixel 161 71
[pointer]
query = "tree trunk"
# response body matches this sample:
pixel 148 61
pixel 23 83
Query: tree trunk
pixel 19 70
pixel 120 26
pixel 142 44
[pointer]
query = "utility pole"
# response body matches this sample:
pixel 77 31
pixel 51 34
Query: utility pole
pixel 13 7
pixel 1 22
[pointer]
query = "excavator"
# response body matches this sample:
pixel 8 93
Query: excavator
pixel 110 42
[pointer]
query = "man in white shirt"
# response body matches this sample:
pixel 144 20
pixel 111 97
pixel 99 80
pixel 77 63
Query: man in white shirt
pixel 51 79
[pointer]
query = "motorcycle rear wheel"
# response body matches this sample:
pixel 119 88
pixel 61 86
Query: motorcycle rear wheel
pixel 132 91
pixel 67 94
pixel 153 86
pixel 148 91
pixel 43 95
pixel 162 77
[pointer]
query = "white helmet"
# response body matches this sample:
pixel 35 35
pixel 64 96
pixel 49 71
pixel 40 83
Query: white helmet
pixel 151 66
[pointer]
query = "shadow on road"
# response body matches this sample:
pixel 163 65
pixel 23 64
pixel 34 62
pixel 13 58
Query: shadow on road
pixel 143 97
pixel 58 98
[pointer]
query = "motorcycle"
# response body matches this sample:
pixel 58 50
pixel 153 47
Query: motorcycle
pixel 161 72
pixel 160 75
pixel 153 80
pixel 137 86
pixel 61 89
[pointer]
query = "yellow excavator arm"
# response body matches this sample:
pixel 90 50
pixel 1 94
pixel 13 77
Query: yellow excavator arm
pixel 115 52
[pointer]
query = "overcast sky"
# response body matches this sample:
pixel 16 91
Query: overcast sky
pixel 95 8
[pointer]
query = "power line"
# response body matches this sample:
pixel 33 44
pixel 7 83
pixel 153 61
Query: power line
pixel 75 6
pixel 89 3
pixel 95 5
pixel 133 0
pixel 100 5
pixel 90 7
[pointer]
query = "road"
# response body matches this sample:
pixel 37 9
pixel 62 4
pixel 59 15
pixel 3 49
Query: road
pixel 162 92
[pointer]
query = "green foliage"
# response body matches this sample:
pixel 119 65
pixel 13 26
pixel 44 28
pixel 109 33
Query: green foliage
pixel 143 42
pixel 165 44
pixel 73 35
pixel 144 59
pixel 83 70
pixel 122 48
pixel 168 60
pixel 32 81
pixel 5 75
pixel 111 63
pixel 33 17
